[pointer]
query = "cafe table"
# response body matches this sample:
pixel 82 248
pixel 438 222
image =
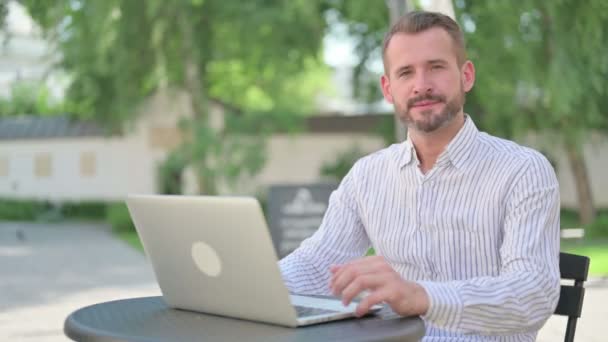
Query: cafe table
pixel 149 319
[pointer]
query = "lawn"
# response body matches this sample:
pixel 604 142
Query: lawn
pixel 132 239
pixel 596 250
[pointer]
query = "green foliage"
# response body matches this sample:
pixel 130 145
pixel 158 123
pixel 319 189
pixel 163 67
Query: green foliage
pixel 170 174
pixel 259 58
pixel 338 168
pixel 3 12
pixel 569 218
pixel 255 55
pixel 599 228
pixel 541 67
pixel 534 70
pixel 595 249
pixel 367 25
pixel 119 218
pixel 31 99
pixel 42 210
pixel 132 239
pixel 22 210
pixel 89 210
pixel 386 129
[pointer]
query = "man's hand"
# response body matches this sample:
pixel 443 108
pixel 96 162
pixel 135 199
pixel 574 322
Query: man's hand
pixel 375 275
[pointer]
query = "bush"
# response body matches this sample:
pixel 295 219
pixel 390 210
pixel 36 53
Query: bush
pixel 599 228
pixel 41 210
pixel 119 218
pixel 23 210
pixel 86 210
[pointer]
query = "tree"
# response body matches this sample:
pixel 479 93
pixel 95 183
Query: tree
pixel 30 98
pixel 259 59
pixel 542 68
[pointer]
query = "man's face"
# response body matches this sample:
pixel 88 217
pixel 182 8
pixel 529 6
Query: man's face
pixel 424 80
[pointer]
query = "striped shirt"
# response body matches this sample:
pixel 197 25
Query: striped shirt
pixel 479 231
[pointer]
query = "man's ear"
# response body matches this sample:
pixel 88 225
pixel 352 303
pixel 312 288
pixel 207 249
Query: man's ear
pixel 385 83
pixel 468 75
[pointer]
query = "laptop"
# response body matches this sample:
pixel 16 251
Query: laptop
pixel 215 255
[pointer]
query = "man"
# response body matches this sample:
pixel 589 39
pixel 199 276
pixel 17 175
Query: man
pixel 465 225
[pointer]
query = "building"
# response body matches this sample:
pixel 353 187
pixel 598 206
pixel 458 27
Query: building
pixel 56 159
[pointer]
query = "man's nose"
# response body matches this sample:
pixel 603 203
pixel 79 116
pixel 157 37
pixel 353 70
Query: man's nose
pixel 422 84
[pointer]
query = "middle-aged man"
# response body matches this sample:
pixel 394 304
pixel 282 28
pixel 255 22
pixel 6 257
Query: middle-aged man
pixel 465 225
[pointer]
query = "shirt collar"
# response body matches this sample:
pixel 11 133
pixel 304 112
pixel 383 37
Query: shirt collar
pixel 406 153
pixel 457 151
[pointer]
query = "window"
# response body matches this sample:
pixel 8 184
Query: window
pixel 43 165
pixel 88 164
pixel 3 166
pixel 164 137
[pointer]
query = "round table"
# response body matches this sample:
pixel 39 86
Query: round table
pixel 149 319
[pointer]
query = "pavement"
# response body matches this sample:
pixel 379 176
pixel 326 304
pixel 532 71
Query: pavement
pixel 49 270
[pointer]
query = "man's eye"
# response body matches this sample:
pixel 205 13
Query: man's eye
pixel 436 67
pixel 404 74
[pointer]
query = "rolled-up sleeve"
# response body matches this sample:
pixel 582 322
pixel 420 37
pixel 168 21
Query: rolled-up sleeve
pixel 340 238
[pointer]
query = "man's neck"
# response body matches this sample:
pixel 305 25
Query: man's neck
pixel 430 145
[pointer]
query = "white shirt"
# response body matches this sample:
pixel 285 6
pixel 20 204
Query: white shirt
pixel 479 231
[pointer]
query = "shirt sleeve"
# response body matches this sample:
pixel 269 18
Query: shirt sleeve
pixel 525 293
pixel 340 238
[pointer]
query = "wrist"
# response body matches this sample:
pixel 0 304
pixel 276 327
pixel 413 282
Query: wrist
pixel 422 300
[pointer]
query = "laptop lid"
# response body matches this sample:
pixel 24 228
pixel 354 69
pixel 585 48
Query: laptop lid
pixel 213 254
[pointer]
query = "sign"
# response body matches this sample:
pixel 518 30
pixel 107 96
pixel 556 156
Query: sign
pixel 295 213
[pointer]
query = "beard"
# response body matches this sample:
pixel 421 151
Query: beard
pixel 431 121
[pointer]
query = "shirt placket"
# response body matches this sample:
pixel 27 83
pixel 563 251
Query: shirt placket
pixel 425 209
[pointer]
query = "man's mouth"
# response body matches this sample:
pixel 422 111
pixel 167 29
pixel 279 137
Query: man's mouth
pixel 424 104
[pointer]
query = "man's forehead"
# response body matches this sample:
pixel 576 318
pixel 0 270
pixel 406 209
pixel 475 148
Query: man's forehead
pixel 431 39
pixel 425 46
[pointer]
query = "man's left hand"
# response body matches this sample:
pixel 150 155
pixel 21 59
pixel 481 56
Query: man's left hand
pixel 384 284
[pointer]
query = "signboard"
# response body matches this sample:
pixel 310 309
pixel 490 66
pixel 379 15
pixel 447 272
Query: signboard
pixel 295 213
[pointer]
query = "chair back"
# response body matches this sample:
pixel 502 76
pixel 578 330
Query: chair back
pixel 572 267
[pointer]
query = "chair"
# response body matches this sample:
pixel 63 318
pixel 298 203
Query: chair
pixel 572 267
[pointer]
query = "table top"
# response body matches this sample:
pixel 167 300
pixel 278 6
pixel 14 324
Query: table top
pixel 149 319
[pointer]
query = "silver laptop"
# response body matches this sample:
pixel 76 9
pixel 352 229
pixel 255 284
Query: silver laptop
pixel 215 255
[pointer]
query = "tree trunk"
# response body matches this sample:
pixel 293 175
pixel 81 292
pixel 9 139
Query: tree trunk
pixel 198 100
pixel 583 184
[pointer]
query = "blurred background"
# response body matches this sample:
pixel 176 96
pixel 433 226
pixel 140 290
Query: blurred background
pixel 102 98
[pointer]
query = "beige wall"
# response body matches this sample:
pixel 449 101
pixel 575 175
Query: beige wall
pixel 121 166
pixel 128 165
pixel 298 159
pixel 110 168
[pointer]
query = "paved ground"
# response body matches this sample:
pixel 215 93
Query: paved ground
pixel 57 269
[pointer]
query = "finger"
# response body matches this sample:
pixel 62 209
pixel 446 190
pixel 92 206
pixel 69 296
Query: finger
pixel 366 282
pixel 365 265
pixel 346 276
pixel 335 268
pixel 375 297
pixel 348 272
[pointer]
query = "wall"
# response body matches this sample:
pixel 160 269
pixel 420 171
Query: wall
pixel 120 166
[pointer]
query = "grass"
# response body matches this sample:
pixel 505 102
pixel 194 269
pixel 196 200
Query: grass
pixel 132 239
pixel 596 250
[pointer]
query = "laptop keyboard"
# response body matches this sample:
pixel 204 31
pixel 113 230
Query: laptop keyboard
pixel 305 311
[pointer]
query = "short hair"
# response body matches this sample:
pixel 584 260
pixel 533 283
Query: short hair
pixel 419 21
